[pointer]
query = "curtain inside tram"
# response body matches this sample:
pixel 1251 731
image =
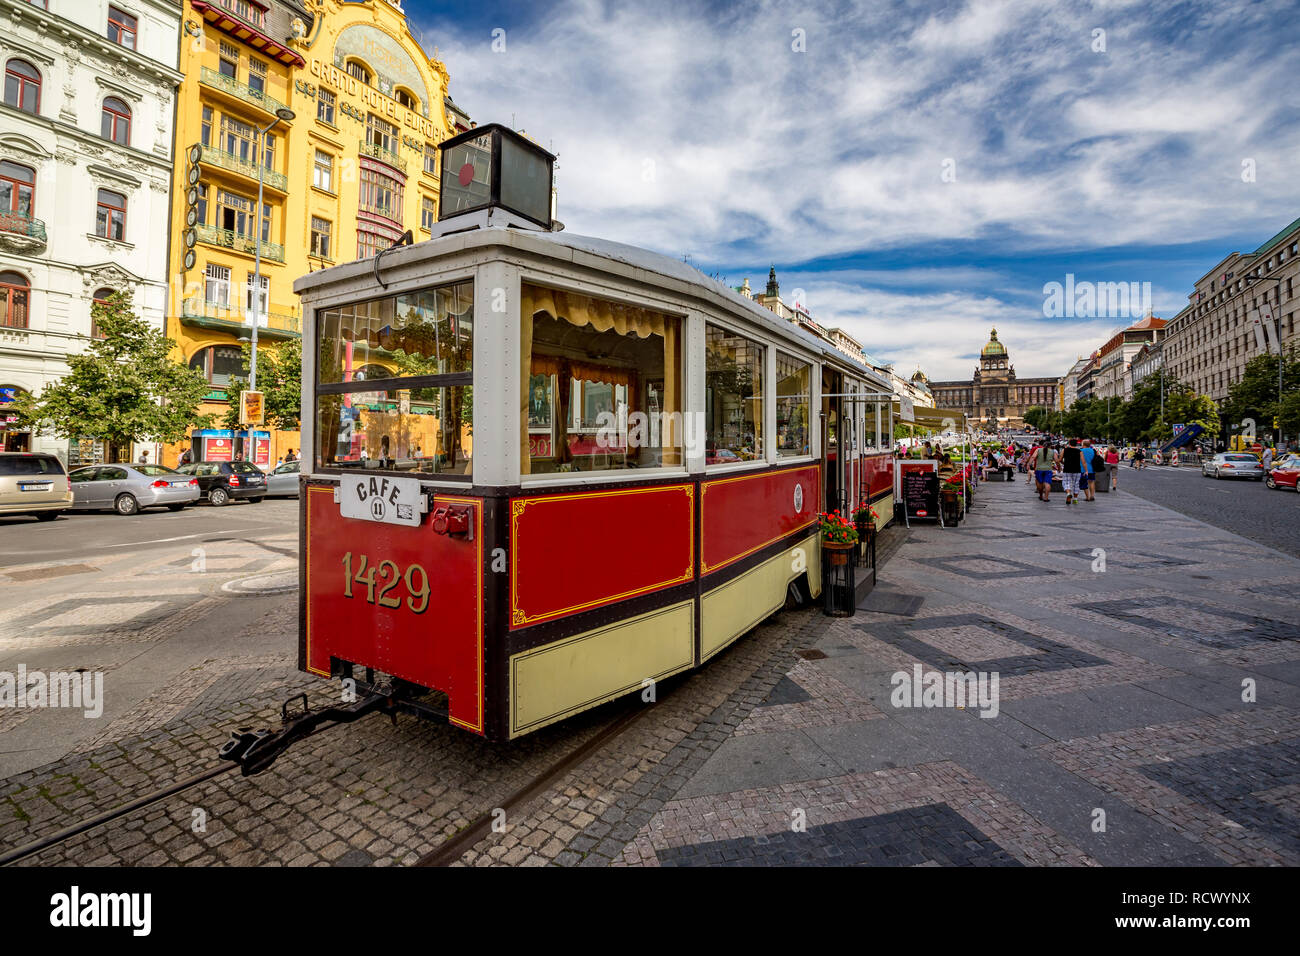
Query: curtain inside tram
pixel 611 366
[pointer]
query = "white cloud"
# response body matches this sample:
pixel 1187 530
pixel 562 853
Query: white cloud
pixel 688 130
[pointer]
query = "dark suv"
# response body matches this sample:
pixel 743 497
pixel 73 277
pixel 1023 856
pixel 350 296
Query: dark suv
pixel 220 481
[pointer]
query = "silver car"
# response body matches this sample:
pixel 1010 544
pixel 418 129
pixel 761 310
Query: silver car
pixel 128 488
pixel 1233 464
pixel 283 482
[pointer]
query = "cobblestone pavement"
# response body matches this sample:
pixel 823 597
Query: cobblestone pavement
pixel 1123 733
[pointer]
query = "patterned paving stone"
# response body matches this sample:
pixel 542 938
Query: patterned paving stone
pixel 931 834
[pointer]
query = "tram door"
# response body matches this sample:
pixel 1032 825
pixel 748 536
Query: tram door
pixel 836 494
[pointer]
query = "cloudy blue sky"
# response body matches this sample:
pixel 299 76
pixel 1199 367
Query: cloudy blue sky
pixel 699 129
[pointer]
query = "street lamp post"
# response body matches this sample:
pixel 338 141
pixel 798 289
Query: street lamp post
pixel 282 114
pixel 285 114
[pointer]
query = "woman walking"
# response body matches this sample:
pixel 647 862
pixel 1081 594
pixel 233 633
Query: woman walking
pixel 1112 466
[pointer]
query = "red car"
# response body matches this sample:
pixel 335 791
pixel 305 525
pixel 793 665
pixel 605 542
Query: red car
pixel 1284 474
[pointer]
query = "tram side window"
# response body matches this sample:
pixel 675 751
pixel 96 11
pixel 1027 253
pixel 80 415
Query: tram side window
pixel 601 385
pixel 395 383
pixel 733 399
pixel 793 382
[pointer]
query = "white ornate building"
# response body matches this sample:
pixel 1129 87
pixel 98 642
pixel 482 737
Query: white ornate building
pixel 85 176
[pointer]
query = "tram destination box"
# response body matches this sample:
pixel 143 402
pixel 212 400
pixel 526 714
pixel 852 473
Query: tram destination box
pixel 383 498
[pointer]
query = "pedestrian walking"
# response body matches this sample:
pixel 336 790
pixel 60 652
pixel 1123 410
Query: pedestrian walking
pixel 1268 459
pixel 185 459
pixel 1112 466
pixel 1139 458
pixel 1043 460
pixel 1091 469
pixel 1071 467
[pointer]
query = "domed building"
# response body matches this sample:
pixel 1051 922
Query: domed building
pixel 994 397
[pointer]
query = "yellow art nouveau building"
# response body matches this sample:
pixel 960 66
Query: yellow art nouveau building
pixel 338 111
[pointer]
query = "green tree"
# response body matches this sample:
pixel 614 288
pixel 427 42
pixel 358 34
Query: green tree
pixel 279 378
pixel 1255 396
pixel 125 387
pixel 1289 415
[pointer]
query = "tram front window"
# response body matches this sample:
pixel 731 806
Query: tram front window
pixel 602 385
pixel 395 383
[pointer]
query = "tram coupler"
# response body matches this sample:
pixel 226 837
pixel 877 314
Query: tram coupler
pixel 255 751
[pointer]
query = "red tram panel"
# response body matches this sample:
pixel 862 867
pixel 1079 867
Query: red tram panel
pixel 569 552
pixel 742 514
pixel 420 617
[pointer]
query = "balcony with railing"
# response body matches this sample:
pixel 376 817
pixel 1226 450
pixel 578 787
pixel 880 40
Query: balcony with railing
pixel 243 167
pixel 228 239
pixel 240 91
pixel 375 151
pixel 21 233
pixel 238 321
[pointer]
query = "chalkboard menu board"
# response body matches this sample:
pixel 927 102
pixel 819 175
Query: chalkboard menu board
pixel 921 494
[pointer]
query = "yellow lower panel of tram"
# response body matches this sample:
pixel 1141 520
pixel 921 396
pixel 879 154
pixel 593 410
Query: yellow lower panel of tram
pixel 558 680
pixel 742 603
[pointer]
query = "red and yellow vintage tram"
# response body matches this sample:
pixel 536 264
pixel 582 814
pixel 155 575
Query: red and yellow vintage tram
pixel 541 470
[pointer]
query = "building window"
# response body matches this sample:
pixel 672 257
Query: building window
pixel 428 213
pixel 257 302
pixel 235 213
pixel 381 133
pixel 17 191
pixel 216 285
pixel 793 390
pixel 373 243
pixel 115 123
pixel 121 27
pixel 325 106
pixel 219 363
pixel 268 151
pixel 237 139
pixel 431 159
pixel 15 293
pixel 202 208
pixel 320 237
pixel 110 215
pixel 323 173
pixel 206 134
pixel 733 383
pixel 228 64
pixel 23 86
pixel 245 11
pixel 381 195
pixel 256 75
pixel 355 69
pixel 100 301
pixel 406 99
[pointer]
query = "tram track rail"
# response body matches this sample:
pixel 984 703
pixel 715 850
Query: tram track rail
pixel 58 837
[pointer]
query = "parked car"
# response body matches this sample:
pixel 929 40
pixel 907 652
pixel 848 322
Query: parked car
pixel 1233 464
pixel 127 488
pixel 222 481
pixel 284 480
pixel 32 483
pixel 1285 474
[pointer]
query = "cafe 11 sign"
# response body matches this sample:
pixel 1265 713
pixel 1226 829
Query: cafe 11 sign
pixel 382 498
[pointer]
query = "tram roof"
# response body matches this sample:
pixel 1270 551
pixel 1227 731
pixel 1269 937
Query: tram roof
pixel 456 239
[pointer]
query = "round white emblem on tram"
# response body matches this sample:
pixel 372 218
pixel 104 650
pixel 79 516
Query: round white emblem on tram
pixel 798 499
